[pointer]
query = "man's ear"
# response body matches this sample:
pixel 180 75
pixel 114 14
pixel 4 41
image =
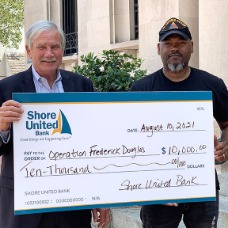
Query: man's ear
pixel 158 48
pixel 27 50
pixel 192 49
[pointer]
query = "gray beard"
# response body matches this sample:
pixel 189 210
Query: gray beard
pixel 175 68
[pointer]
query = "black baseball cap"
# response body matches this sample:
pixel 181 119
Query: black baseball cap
pixel 174 26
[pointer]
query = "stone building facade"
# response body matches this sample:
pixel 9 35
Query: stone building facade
pixel 132 26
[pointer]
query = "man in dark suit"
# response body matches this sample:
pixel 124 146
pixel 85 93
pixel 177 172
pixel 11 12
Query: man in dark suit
pixel 45 44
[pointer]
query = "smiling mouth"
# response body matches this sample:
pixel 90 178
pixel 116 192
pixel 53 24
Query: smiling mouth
pixel 48 61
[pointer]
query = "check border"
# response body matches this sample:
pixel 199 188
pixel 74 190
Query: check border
pixel 83 97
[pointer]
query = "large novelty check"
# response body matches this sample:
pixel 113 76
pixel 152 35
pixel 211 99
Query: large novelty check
pixel 91 150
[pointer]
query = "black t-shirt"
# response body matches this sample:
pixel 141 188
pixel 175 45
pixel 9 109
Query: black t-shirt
pixel 198 80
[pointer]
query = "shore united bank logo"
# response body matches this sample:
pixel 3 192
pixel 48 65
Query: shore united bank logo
pixel 47 123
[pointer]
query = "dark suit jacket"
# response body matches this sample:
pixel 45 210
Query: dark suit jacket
pixel 23 82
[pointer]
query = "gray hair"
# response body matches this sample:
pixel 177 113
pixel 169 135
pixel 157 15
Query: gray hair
pixel 41 26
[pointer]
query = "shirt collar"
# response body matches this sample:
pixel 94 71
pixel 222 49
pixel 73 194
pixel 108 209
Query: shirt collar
pixel 36 76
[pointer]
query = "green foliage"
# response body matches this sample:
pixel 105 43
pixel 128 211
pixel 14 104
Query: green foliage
pixel 11 22
pixel 111 71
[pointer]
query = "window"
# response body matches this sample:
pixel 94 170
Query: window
pixel 69 12
pixel 136 21
pixel 123 20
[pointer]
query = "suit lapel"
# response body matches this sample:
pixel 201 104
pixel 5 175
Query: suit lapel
pixel 68 84
pixel 27 84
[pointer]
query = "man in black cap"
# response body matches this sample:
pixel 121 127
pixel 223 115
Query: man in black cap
pixel 175 48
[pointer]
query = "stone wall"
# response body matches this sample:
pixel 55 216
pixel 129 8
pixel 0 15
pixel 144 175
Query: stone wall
pixel 16 62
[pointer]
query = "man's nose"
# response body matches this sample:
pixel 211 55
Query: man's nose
pixel 174 46
pixel 49 51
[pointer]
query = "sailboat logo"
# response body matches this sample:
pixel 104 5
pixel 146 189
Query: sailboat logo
pixel 63 125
